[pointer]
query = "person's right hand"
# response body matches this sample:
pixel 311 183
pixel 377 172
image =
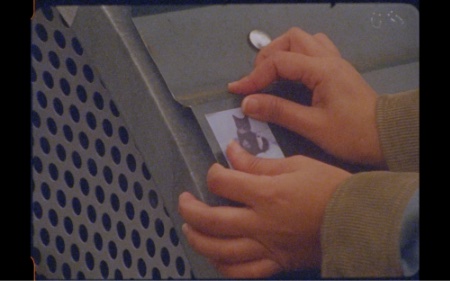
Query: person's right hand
pixel 341 118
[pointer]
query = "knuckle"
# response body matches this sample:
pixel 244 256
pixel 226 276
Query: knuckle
pixel 275 109
pixel 296 33
pixel 271 193
pixel 335 65
pixel 293 31
pixel 276 57
pixel 229 253
pixel 211 224
pixel 272 62
pixel 253 164
pixel 262 55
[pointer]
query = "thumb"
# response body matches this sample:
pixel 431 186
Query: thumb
pixel 304 120
pixel 243 161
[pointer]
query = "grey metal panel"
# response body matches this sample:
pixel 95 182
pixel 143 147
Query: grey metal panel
pixel 394 79
pixel 96 210
pixel 199 51
pixel 166 134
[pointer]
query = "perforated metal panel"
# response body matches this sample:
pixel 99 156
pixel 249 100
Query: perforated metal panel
pixel 96 212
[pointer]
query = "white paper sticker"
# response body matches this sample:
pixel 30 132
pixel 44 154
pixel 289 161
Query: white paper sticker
pixel 253 135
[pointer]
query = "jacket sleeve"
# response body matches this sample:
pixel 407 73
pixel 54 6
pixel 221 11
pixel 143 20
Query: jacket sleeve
pixel 398 127
pixel 363 220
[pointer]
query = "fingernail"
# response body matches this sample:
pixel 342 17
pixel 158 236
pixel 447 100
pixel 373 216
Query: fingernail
pixel 241 81
pixel 232 84
pixel 184 196
pixel 181 196
pixel 185 228
pixel 250 105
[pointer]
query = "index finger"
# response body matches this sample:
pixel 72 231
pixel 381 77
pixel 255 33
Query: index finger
pixel 238 186
pixel 245 162
pixel 298 41
pixel 287 65
pixel 220 221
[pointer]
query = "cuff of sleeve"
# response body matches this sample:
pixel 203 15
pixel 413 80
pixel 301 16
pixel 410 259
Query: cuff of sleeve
pixel 362 225
pixel 398 127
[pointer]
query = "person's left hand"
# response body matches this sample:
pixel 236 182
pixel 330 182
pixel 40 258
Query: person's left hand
pixel 277 229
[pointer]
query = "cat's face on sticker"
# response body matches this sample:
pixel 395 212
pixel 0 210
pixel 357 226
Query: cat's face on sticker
pixel 242 124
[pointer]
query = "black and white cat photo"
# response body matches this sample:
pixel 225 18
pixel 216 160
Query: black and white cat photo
pixel 250 141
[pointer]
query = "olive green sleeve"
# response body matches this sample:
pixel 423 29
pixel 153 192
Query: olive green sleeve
pixel 361 231
pixel 398 127
pixel 362 224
